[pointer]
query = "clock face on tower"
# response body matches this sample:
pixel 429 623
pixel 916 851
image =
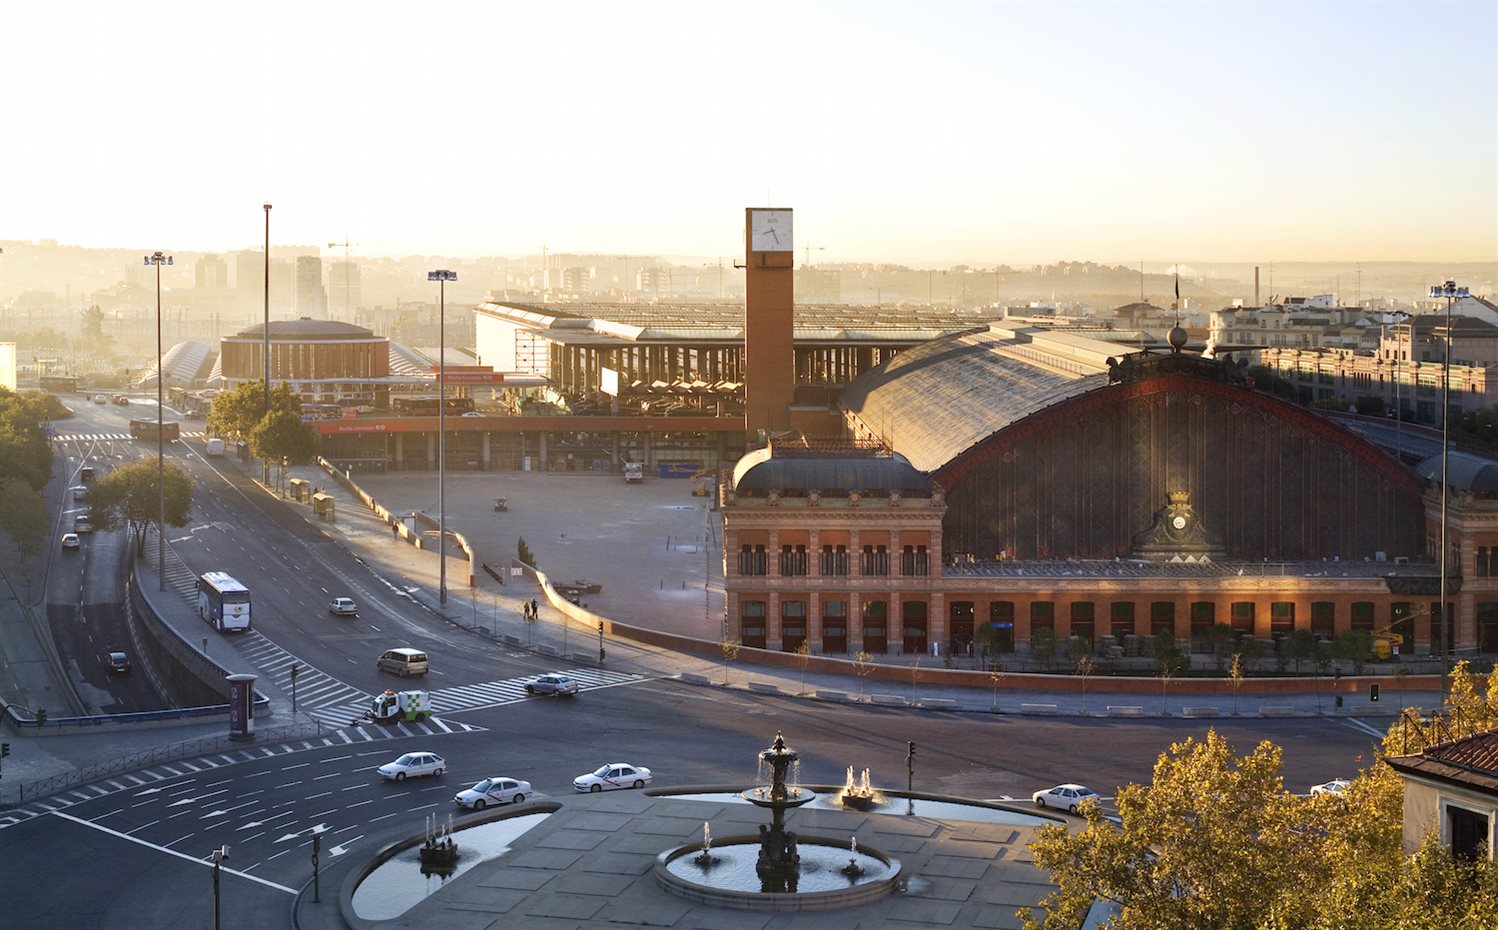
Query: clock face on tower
pixel 770 231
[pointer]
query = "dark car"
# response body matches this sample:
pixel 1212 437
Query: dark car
pixel 119 662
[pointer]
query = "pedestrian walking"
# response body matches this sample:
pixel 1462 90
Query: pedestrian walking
pixel 535 614
pixel 395 531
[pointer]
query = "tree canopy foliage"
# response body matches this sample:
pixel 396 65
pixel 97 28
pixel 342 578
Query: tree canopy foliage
pixel 235 414
pixel 282 436
pixel 129 495
pixel 1215 842
pixel 24 450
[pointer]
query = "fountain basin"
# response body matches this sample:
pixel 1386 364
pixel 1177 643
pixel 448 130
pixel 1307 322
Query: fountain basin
pixel 732 881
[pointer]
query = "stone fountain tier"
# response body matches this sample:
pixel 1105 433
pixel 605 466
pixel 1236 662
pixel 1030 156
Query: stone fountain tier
pixel 732 881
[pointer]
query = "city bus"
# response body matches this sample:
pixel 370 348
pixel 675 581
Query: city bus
pixel 426 406
pixel 146 429
pixel 223 602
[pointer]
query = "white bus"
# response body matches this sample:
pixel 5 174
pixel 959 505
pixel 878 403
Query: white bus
pixel 223 602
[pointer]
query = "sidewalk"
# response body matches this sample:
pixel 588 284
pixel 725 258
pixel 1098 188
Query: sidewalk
pixel 494 609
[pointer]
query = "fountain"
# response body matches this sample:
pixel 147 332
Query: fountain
pixel 860 795
pixel 706 859
pixel 439 852
pixel 790 873
pixel 779 864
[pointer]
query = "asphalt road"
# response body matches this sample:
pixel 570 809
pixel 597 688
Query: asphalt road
pixel 135 855
pixel 131 851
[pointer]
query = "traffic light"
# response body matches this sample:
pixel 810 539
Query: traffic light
pixel 4 750
pixel 910 748
pixel 41 716
pixel 1373 692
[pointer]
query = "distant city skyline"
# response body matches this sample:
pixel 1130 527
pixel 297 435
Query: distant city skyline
pixel 924 134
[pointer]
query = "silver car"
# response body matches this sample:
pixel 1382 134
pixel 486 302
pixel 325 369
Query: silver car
pixel 554 683
pixel 413 764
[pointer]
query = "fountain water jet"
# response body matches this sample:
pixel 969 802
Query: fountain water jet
pixel 790 873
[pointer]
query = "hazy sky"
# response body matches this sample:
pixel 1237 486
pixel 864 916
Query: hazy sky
pixel 915 132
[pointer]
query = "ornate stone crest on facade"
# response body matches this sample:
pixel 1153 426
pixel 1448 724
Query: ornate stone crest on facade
pixel 1178 534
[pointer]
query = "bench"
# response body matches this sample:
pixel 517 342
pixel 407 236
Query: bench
pixel 889 700
pixel 1038 709
pixel 1276 711
pixel 1125 710
pixel 692 679
pixel 840 697
pixel 938 703
pixel 1199 712
pixel 764 687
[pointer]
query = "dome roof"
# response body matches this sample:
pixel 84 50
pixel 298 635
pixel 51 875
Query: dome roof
pixel 1466 472
pixel 761 470
pixel 306 328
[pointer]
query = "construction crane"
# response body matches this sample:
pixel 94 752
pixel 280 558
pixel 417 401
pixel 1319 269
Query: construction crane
pixel 806 262
pixel 347 273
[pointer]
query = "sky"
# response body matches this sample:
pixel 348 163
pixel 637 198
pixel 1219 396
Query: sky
pixel 920 133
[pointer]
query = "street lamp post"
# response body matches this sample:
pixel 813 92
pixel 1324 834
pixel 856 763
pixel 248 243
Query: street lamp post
pixel 265 371
pixel 217 857
pixel 1451 292
pixel 158 259
pixel 442 276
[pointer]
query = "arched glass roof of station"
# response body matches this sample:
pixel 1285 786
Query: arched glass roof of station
pixel 936 400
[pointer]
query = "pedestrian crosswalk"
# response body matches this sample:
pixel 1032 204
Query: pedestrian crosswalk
pixel 63 435
pixel 161 772
pixel 478 696
pixel 314 689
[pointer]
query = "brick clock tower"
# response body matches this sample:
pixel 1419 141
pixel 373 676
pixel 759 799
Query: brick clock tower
pixel 769 322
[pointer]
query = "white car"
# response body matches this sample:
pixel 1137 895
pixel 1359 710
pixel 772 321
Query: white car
pixel 413 764
pixel 1335 786
pixel 343 607
pixel 555 683
pixel 80 492
pixel 493 790
pixel 612 776
pixel 70 540
pixel 1067 797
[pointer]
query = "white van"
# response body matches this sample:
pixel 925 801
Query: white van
pixel 403 662
pixel 215 446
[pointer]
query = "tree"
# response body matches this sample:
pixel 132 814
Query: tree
pixel 863 664
pixel 995 675
pixel 803 659
pixel 730 652
pixel 1043 645
pixel 1170 661
pixel 1302 646
pixel 129 495
pixel 24 450
pixel 236 414
pixel 1220 643
pixel 524 554
pixel 1355 646
pixel 23 514
pixel 1235 678
pixel 1084 669
pixel 283 437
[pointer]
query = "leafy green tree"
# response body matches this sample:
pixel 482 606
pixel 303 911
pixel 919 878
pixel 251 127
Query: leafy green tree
pixel 235 414
pixel 1043 645
pixel 130 496
pixel 282 437
pixel 1354 646
pixel 1302 647
pixel 23 515
pixel 24 451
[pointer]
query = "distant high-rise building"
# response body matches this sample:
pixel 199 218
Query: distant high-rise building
pixel 311 298
pixel 249 283
pixel 210 273
pixel 343 290
pixel 653 280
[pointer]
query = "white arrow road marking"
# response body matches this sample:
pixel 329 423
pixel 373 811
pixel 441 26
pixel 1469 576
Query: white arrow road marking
pixel 173 852
pixel 342 848
pixel 320 828
pixel 250 825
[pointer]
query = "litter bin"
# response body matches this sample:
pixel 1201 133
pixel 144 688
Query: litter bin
pixel 301 489
pixel 322 506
